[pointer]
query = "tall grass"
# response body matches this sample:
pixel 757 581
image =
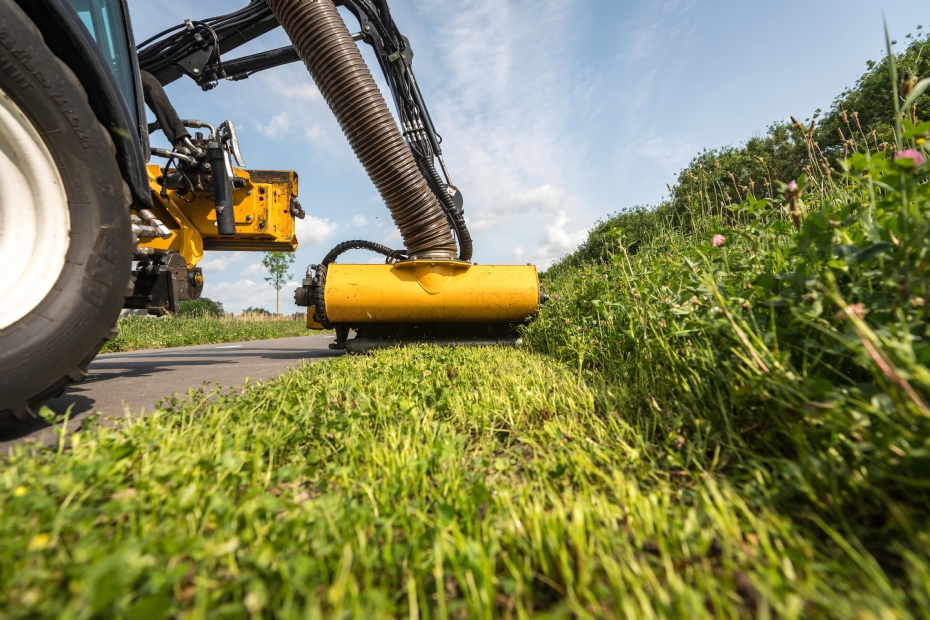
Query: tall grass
pixel 790 336
pixel 141 332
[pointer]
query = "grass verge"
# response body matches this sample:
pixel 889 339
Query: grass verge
pixel 419 482
pixel 139 332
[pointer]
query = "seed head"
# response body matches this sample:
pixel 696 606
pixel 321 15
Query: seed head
pixel 907 84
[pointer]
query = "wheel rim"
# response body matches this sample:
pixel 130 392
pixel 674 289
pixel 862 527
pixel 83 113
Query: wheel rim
pixel 35 222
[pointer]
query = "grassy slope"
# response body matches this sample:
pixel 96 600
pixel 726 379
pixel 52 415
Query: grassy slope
pixel 453 482
pixel 148 333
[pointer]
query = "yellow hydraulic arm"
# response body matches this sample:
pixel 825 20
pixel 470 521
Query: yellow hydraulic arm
pixel 265 203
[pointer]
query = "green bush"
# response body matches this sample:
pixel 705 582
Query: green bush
pixel 201 306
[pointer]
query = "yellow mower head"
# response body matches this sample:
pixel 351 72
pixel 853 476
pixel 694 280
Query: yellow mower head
pixel 443 302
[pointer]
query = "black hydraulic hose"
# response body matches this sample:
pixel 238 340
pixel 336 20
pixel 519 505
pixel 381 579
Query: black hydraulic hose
pixel 157 101
pixel 319 299
pixel 323 41
pixel 456 219
pixel 222 189
pixel 361 244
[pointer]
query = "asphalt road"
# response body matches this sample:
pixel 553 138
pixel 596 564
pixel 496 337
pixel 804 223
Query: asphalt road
pixel 135 381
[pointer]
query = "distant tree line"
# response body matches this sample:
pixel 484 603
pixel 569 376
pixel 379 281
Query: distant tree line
pixel 201 306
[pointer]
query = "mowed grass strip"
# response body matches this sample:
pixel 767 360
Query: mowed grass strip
pixel 140 332
pixel 417 482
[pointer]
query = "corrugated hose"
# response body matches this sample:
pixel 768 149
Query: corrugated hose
pixel 324 43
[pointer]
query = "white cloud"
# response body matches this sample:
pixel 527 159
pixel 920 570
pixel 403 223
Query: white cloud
pixel 671 154
pixel 254 270
pixel 557 240
pixel 359 220
pixel 391 236
pixel 546 198
pixel 242 293
pixel 315 230
pixel 216 264
pixel 247 292
pixel 304 90
pixel 279 125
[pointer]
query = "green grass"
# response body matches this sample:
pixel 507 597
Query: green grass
pixel 139 332
pixel 726 430
pixel 413 482
pixel 797 344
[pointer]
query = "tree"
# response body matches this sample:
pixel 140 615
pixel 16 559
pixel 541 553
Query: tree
pixel 201 306
pixel 251 310
pixel 277 264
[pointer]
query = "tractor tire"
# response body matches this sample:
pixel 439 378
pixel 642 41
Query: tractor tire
pixel 66 241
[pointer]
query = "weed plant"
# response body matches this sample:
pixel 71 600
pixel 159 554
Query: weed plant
pixel 141 332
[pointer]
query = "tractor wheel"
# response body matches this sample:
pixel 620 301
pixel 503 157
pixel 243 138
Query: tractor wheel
pixel 66 241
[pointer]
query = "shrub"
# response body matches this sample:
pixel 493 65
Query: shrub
pixel 201 306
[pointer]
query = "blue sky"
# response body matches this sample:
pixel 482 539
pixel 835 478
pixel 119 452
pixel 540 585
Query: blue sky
pixel 554 113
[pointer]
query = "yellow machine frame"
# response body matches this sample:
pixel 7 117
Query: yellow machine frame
pixel 264 206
